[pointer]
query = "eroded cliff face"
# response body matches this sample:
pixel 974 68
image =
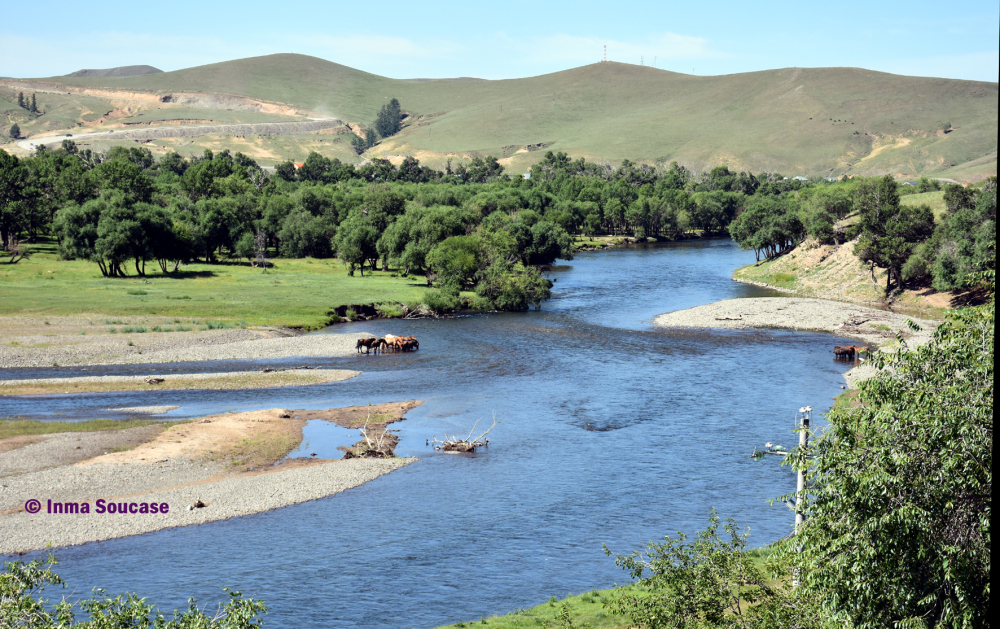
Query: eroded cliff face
pixel 188 99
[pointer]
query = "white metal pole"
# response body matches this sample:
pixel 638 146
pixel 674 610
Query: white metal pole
pixel 800 488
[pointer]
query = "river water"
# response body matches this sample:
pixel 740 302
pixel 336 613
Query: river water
pixel 612 432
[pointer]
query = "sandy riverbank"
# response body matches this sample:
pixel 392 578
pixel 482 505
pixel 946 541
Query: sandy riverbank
pixel 224 461
pixel 216 381
pixel 870 326
pixel 83 340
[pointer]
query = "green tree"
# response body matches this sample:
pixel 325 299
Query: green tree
pixel 388 120
pixel 120 238
pixel 125 177
pixel 13 180
pixel 76 228
pixel 358 144
pixel 512 286
pixel 966 241
pixel 898 530
pixel 304 235
pixel 15 131
pixel 889 231
pixel 20 100
pixel 456 261
pixel 711 582
pixel 22 605
pixel 357 243
pixel 33 108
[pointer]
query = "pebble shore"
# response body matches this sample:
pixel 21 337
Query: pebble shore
pixel 229 497
pixel 871 326
pixel 65 342
pixel 218 380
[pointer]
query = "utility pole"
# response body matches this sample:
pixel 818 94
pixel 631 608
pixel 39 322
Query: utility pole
pixel 642 60
pixel 805 414
pixel 605 53
pixel 802 419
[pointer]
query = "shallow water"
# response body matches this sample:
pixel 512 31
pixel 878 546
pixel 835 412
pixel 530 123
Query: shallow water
pixel 321 439
pixel 612 432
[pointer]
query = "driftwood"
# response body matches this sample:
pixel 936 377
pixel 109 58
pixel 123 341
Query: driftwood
pixel 382 447
pixel 469 444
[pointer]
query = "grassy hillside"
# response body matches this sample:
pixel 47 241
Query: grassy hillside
pixel 818 121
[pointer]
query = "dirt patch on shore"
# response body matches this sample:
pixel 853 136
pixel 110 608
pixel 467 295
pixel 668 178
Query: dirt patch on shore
pixel 253 440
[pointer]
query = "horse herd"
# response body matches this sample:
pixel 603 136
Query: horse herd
pixel 389 343
pixel 849 351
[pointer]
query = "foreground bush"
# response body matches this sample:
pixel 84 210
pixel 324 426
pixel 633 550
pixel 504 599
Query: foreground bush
pixel 21 605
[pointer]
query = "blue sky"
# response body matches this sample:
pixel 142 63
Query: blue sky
pixel 505 40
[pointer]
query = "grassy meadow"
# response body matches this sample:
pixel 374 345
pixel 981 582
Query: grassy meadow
pixel 295 292
pixel 934 200
pixel 797 121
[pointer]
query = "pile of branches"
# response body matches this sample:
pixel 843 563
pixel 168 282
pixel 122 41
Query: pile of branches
pixel 381 446
pixel 469 444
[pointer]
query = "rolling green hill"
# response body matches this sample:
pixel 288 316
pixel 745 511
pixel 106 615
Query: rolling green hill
pixel 808 121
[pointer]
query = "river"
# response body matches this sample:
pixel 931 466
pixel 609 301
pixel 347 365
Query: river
pixel 613 432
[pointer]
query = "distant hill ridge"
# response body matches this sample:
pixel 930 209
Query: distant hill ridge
pixel 795 121
pixel 119 71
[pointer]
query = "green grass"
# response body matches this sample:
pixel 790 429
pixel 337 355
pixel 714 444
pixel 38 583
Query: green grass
pixel 296 293
pixel 808 121
pixel 18 427
pixel 585 609
pixel 935 200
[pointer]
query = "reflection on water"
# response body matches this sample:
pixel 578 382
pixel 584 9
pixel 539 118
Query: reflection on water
pixel 613 432
pixel 321 439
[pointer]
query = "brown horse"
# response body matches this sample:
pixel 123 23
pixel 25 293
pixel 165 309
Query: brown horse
pixel 365 343
pixel 844 351
pixel 402 343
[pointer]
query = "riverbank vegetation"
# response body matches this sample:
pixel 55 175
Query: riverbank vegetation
pixel 21 605
pixel 901 238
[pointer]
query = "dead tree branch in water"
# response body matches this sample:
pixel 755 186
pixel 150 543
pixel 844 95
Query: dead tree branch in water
pixel 379 448
pixel 469 444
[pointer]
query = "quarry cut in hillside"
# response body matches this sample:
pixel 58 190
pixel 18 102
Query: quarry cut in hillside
pixel 155 98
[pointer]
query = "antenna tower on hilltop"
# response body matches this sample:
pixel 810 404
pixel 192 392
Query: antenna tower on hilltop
pixel 605 53
pixel 642 60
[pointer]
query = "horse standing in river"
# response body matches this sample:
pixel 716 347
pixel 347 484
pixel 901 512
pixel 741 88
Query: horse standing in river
pixel 365 343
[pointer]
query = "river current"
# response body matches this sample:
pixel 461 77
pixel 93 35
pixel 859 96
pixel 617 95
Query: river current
pixel 613 432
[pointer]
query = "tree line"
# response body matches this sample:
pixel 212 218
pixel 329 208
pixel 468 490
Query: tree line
pixel 124 209
pixel 903 239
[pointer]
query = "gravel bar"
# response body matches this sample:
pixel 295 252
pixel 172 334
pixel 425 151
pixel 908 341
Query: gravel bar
pixel 230 497
pixel 873 327
pixel 32 343
pixel 311 373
